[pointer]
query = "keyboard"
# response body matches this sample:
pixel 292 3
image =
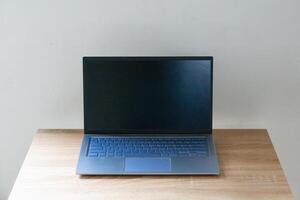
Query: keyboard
pixel 147 147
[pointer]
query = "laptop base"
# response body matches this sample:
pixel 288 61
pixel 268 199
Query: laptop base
pixel 169 165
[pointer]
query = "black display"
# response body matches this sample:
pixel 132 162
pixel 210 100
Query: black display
pixel 147 94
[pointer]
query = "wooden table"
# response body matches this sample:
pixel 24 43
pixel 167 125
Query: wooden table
pixel 249 170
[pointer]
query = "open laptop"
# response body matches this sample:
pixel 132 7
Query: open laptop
pixel 147 115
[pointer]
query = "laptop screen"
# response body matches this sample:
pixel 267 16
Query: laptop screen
pixel 147 94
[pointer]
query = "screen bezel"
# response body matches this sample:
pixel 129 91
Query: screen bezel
pixel 86 59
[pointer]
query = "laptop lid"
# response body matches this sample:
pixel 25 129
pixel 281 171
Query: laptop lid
pixel 147 94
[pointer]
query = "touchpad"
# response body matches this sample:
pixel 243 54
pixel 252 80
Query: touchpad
pixel 147 165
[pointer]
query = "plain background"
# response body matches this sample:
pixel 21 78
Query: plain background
pixel 255 44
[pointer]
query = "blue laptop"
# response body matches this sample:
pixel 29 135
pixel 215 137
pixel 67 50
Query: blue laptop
pixel 147 116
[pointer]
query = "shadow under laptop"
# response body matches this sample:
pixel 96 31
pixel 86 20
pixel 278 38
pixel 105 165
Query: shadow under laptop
pixel 146 176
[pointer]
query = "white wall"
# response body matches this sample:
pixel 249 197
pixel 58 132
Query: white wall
pixel 255 44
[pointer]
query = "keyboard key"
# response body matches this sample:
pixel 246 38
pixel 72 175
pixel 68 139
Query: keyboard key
pixel 93 154
pixel 94 141
pixel 102 154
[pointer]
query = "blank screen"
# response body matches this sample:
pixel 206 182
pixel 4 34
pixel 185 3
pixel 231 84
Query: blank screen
pixel 147 94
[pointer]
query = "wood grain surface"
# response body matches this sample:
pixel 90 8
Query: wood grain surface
pixel 249 170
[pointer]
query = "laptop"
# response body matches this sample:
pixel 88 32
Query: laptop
pixel 147 116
